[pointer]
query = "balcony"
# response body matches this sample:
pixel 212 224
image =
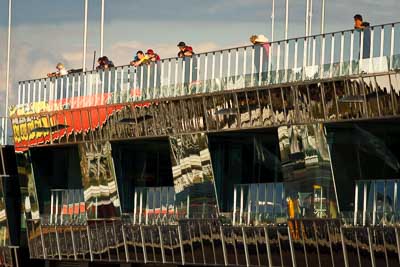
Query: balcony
pixel 326 56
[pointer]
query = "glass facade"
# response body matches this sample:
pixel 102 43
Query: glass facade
pixel 141 164
pixel 364 154
pixel 243 158
pixel 305 194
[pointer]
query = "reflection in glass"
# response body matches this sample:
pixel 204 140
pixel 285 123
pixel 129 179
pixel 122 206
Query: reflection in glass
pixel 4 233
pixel 27 184
pixel 259 203
pixel 99 181
pixel 193 176
pixel 307 172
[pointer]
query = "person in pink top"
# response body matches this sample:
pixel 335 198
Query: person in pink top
pixel 261 55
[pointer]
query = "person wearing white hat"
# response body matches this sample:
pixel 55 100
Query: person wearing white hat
pixel 261 39
pixel 261 49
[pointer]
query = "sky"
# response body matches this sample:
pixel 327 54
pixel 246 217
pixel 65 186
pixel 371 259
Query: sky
pixel 46 32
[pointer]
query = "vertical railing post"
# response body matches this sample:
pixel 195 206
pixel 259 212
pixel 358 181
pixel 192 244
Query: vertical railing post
pixel 241 205
pixel 341 53
pixel 278 59
pixel 371 50
pixel 19 93
pixel 134 206
pixel 374 198
pixel 355 204
pixel 252 66
pixel 351 52
pixel 322 56
pixel 228 72
pixel 169 78
pixel 296 52
pixel 382 41
pixel 332 55
pixel 286 60
pixel 392 36
pixel 212 82
pixel 221 63
pixel 305 56
pixel 234 205
pixel 361 61
pixel 205 72
pixel 365 204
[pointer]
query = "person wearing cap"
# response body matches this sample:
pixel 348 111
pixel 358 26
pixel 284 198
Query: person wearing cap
pixel 153 57
pixel 104 63
pixel 362 26
pixel 186 53
pixel 184 50
pixel 261 49
pixel 61 71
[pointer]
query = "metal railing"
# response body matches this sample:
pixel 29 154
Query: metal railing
pixel 153 205
pixel 330 55
pixel 5 136
pixel 255 204
pixel 376 202
pixel 67 206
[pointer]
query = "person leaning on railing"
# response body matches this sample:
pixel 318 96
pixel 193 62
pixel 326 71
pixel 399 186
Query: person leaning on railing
pixel 187 54
pixel 185 50
pixel 261 49
pixel 104 63
pixel 143 59
pixel 363 26
pixel 61 71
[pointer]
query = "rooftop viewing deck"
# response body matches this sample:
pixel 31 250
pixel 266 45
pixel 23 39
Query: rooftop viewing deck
pixel 325 56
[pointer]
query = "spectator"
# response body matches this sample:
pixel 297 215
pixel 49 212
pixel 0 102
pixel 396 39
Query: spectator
pixel 362 26
pixel 108 63
pixel 134 61
pixel 61 71
pixel 261 48
pixel 140 59
pixel 104 63
pixel 184 50
pixel 153 57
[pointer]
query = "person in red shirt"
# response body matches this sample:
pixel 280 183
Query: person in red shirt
pixel 153 57
pixel 184 50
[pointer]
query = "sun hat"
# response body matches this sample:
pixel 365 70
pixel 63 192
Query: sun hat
pixel 261 39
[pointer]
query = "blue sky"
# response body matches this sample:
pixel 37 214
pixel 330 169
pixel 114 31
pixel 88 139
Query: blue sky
pixel 46 32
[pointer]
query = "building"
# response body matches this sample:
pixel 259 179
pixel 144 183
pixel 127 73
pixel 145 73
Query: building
pixel 287 160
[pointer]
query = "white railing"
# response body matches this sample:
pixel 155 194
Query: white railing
pixel 259 203
pixel 314 57
pixel 376 202
pixel 5 135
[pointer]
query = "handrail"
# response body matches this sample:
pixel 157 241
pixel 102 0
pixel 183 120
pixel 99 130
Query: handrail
pixel 308 58
pixel 244 46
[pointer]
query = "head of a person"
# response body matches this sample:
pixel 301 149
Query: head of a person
pixel 150 52
pixel 181 46
pixel 358 20
pixel 260 39
pixel 140 54
pixel 253 39
pixel 60 66
pixel 105 59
